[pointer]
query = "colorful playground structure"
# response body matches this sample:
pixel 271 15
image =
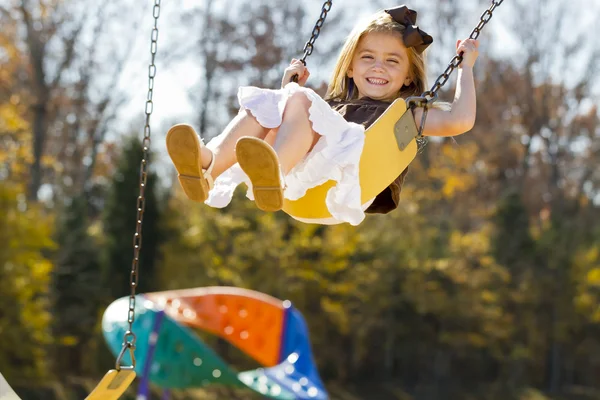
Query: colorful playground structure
pixel 171 356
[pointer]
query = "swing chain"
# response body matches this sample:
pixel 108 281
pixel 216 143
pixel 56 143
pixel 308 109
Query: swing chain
pixel 129 337
pixel 309 46
pixel 431 95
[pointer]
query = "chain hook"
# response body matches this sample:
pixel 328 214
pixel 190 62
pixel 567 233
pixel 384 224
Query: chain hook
pixel 126 346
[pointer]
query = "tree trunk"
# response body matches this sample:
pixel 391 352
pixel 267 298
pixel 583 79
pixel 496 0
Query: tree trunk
pixel 42 95
pixel 39 138
pixel 555 368
pixel 210 65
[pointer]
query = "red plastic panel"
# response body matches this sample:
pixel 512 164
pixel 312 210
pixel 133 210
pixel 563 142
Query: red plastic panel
pixel 249 320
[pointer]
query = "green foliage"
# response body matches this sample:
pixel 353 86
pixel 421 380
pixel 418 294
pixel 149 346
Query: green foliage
pixel 25 232
pixel 513 243
pixel 352 284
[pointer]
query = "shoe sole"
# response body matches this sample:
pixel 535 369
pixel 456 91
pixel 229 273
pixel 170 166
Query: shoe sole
pixel 183 147
pixel 260 162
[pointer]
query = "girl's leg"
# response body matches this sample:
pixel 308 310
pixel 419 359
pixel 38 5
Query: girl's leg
pixel 295 137
pixel 264 164
pixel 244 124
pixel 192 159
pixel 292 140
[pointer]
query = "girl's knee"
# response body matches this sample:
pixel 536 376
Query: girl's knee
pixel 245 114
pixel 298 102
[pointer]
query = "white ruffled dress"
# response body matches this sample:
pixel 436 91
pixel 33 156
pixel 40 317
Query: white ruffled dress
pixel 335 156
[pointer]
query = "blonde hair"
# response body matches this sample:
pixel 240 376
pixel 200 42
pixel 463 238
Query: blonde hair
pixel 341 86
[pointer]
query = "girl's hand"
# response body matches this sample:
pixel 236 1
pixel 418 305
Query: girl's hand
pixel 296 67
pixel 469 49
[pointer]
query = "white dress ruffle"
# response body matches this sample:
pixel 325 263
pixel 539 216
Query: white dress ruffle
pixel 335 156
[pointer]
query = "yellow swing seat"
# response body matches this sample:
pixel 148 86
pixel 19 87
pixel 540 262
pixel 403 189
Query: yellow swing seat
pixel 390 146
pixel 113 385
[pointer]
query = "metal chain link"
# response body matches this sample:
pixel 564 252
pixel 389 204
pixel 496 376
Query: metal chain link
pixel 310 45
pixel 430 96
pixel 129 337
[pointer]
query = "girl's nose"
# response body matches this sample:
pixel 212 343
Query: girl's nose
pixel 378 65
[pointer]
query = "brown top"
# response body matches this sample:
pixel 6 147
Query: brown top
pixel 365 111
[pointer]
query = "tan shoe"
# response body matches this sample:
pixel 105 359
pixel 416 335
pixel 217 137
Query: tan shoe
pixel 260 162
pixel 183 146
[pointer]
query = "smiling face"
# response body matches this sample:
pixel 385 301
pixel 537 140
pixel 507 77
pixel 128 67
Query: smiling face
pixel 380 66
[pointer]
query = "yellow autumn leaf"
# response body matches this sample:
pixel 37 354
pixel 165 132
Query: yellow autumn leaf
pixel 596 315
pixel 593 276
pixel 68 340
pixel 10 119
pixel 488 296
pixel 584 301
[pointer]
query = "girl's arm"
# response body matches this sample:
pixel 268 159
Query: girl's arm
pixel 461 117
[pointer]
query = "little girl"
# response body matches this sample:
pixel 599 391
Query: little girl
pixel 286 141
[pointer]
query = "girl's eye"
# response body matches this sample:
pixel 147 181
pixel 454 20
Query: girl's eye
pixel 367 56
pixel 392 60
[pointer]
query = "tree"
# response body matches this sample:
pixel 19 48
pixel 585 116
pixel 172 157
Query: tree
pixel 68 87
pixel 15 129
pixel 119 222
pixel 76 290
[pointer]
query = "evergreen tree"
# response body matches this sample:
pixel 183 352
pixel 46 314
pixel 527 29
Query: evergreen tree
pixel 119 222
pixel 77 288
pixel 516 249
pixel 513 243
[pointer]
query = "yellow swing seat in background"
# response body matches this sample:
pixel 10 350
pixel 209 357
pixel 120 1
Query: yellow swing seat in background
pixel 113 385
pixel 390 146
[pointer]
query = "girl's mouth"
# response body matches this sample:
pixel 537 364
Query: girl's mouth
pixel 377 81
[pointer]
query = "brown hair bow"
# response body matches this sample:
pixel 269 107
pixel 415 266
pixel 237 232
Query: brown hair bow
pixel 413 36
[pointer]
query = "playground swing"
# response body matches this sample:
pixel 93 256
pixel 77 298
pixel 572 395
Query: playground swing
pixel 391 144
pixel 116 381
